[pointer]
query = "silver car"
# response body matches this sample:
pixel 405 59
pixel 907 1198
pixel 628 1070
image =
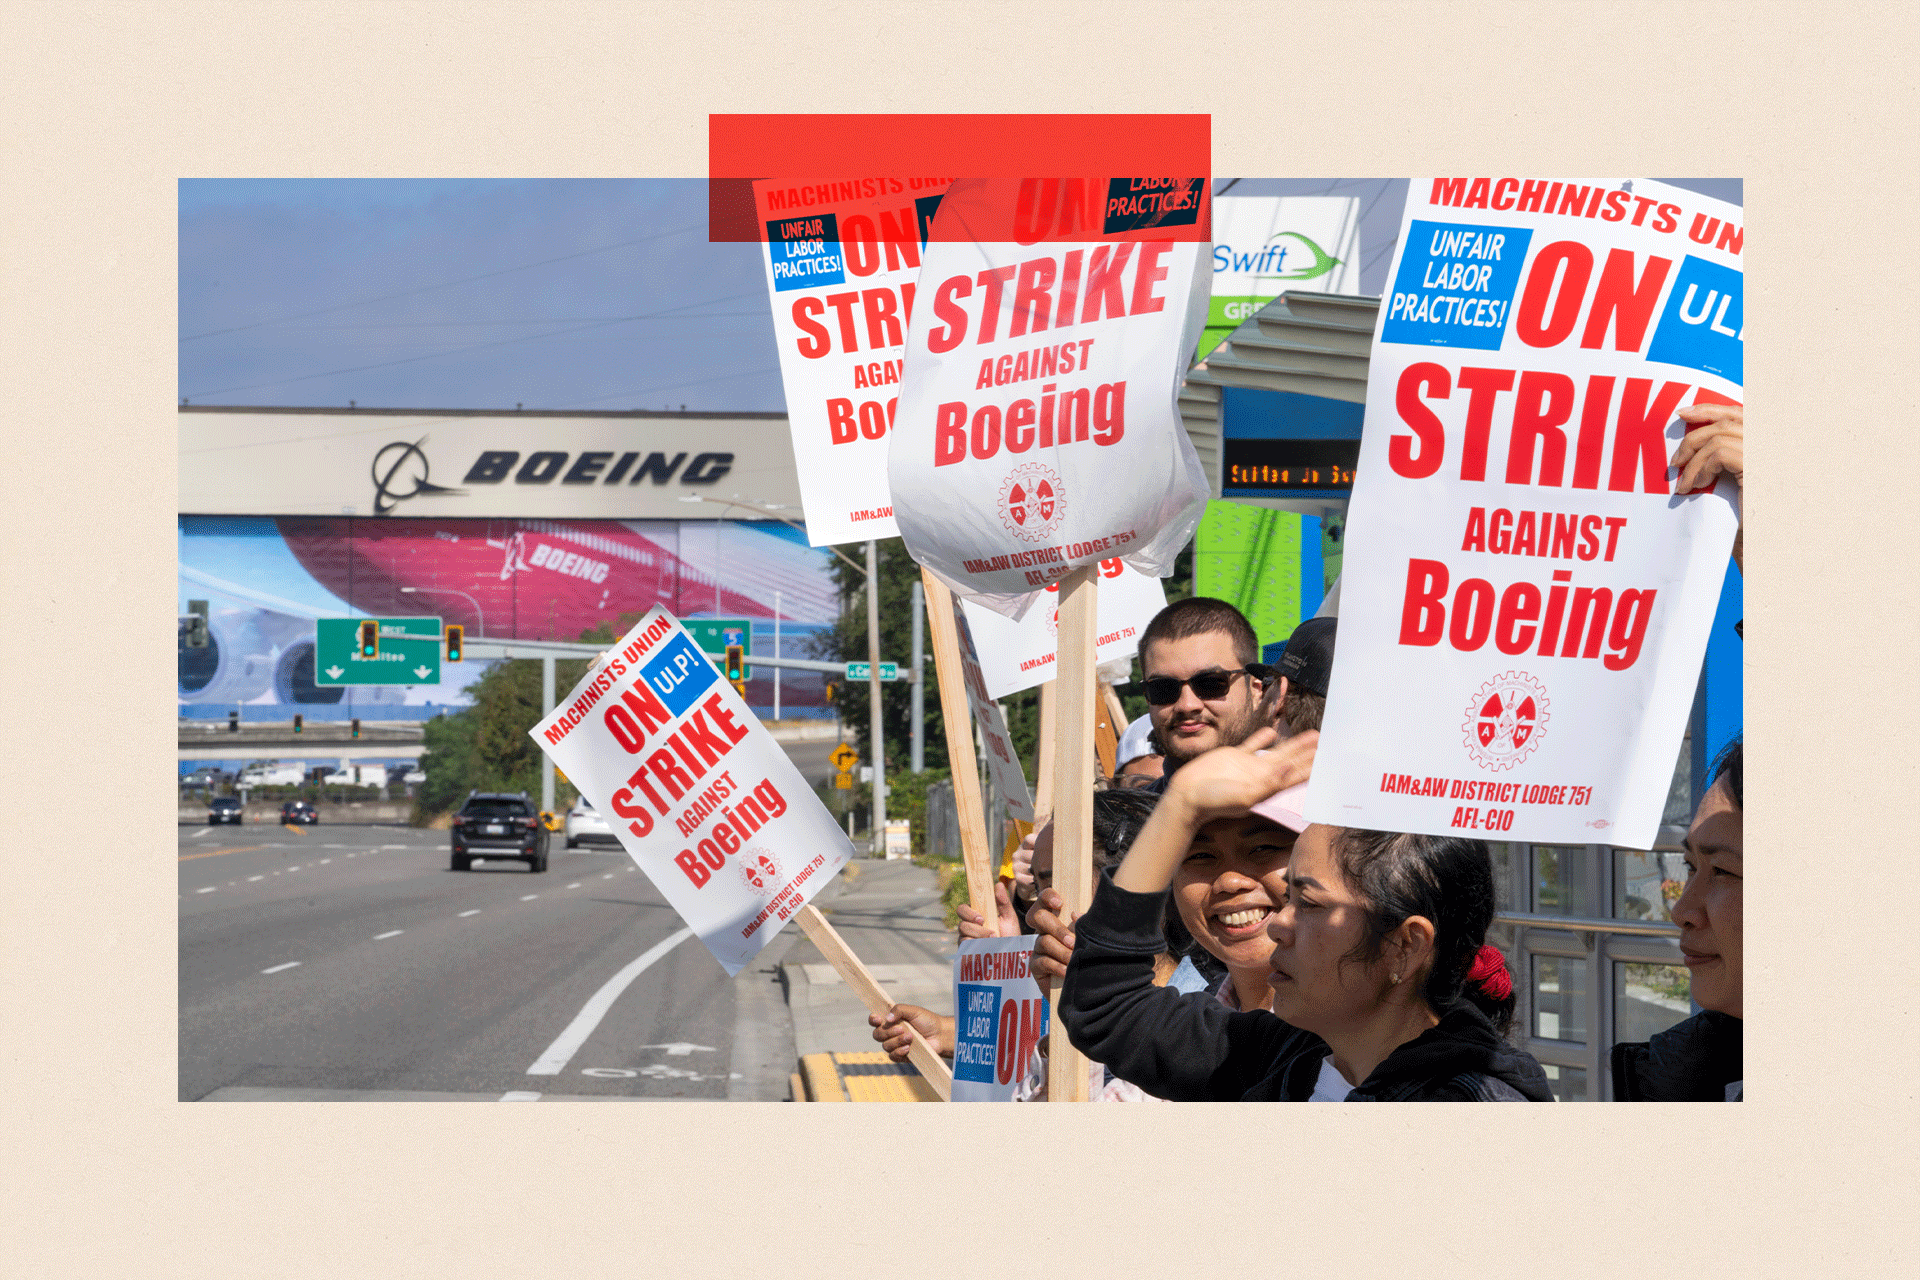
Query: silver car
pixel 585 824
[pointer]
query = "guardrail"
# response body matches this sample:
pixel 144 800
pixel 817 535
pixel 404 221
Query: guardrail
pixel 1590 924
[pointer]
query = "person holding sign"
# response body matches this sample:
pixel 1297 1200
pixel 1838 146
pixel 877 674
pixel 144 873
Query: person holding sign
pixel 1700 1059
pixel 1383 987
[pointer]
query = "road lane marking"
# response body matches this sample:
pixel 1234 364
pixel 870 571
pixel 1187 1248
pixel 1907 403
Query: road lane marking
pixel 325 861
pixel 221 853
pixel 396 846
pixel 464 914
pixel 519 1095
pixel 561 1051
pixel 299 831
pixel 204 831
pixel 251 879
pixel 291 964
pixel 391 933
pixel 574 885
pixel 528 897
pixel 208 889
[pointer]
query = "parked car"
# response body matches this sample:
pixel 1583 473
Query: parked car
pixel 223 809
pixel 494 824
pixel 584 824
pixel 299 811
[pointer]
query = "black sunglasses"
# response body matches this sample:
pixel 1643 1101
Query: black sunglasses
pixel 1208 686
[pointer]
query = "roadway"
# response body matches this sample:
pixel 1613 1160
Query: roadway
pixel 352 962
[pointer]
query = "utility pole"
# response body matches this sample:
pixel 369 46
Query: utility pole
pixel 876 838
pixel 546 709
pixel 919 678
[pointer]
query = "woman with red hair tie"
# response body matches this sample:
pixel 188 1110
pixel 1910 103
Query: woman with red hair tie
pixel 1384 989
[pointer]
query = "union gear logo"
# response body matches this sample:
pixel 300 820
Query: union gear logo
pixel 1505 720
pixel 760 869
pixel 1031 502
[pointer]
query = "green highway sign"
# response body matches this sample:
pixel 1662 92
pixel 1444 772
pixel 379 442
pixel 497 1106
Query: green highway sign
pixel 713 635
pixel 409 652
pixel 864 671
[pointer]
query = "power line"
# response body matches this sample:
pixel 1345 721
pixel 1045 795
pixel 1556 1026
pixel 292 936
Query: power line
pixel 671 386
pixel 478 346
pixel 452 324
pixel 445 284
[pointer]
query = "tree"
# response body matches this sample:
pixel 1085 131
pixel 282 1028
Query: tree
pixel 488 746
pixel 847 642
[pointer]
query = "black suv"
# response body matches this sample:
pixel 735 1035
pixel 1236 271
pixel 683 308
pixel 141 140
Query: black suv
pixel 493 824
pixel 223 809
pixel 299 811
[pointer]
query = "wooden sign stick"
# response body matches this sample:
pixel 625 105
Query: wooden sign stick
pixel 956 718
pixel 933 1069
pixel 1073 797
pixel 1106 732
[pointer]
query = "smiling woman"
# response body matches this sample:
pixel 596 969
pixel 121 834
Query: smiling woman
pixel 1382 986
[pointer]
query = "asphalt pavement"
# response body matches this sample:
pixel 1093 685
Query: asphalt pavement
pixel 353 962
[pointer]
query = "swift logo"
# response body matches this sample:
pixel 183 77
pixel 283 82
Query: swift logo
pixel 1270 261
pixel 401 462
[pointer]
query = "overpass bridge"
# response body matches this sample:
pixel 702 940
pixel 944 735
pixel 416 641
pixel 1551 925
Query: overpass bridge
pixel 324 740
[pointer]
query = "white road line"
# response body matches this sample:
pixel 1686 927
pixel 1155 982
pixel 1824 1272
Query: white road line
pixel 325 861
pixel 293 868
pixel 394 846
pixel 391 933
pixel 204 831
pixel 208 889
pixel 574 885
pixel 464 914
pixel 519 1095
pixel 607 876
pixel 251 879
pixel 528 897
pixel 561 1051
pixel 291 964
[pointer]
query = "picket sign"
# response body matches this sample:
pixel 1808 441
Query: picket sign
pixel 838 954
pixel 1527 601
pixel 1038 428
pixel 841 261
pixel 695 788
pixel 1073 804
pixel 1116 715
pixel 956 721
pixel 999 1015
pixel 1020 655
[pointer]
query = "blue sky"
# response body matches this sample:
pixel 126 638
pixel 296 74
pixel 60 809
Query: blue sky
pixel 592 294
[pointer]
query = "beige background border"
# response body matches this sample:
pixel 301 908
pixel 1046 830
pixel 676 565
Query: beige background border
pixel 104 1174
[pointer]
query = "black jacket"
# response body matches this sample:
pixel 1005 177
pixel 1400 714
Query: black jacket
pixel 1692 1062
pixel 1194 1049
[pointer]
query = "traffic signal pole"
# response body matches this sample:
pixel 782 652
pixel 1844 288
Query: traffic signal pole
pixel 878 836
pixel 546 709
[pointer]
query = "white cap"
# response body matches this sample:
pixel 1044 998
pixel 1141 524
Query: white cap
pixel 1134 743
pixel 1288 808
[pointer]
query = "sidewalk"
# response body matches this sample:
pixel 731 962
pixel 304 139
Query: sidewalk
pixel 889 915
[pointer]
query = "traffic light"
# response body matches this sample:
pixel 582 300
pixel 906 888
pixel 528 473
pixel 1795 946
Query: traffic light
pixel 298 723
pixel 233 722
pixel 369 639
pixel 456 639
pixel 356 727
pixel 737 668
pixel 829 693
pixel 197 626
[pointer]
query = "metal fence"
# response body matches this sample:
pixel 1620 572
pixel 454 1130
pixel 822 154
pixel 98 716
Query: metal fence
pixel 943 822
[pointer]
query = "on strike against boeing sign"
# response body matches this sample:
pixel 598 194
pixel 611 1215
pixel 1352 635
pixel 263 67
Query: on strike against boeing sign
pixel 841 262
pixel 698 792
pixel 1038 429
pixel 1525 601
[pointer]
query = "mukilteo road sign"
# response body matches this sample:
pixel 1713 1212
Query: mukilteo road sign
pixel 713 635
pixel 864 671
pixel 409 652
pixel 844 757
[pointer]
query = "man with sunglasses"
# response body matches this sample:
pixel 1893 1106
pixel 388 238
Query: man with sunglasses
pixel 1201 679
